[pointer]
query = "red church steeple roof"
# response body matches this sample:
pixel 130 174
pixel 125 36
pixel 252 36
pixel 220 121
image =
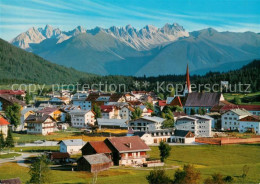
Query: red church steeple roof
pixel 188 80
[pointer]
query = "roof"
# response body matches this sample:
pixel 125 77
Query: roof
pixel 38 118
pixel 202 117
pixel 182 133
pixel 92 96
pixel 96 159
pixel 10 181
pixel 73 142
pixel 186 118
pixel 153 118
pixel 176 101
pixel 112 122
pixel 25 110
pixel 103 98
pixel 99 146
pixel 253 118
pixel 56 103
pixel 128 144
pixel 47 110
pixel 240 112
pixel 3 121
pixel 176 114
pixel 59 155
pixel 161 102
pixel 115 97
pixel 196 99
pixel 246 107
pixel 169 100
pixel 107 108
pixel 12 92
pixel 79 111
pixel 12 99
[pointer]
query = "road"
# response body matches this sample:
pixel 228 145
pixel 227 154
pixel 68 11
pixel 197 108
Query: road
pixel 46 143
pixel 20 159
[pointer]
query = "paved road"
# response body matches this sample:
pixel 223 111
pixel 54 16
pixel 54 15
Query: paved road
pixel 46 143
pixel 20 159
pixel 180 144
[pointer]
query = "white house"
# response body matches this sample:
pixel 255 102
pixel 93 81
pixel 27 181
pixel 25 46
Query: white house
pixel 250 123
pixel 82 118
pixel 109 112
pixel 4 126
pixel 80 99
pixel 146 123
pixel 40 123
pixel 229 120
pixel 197 124
pixel 125 112
pixel 71 146
pixel 24 114
pixel 166 135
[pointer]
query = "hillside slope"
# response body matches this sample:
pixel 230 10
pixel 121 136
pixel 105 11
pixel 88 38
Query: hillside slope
pixel 19 65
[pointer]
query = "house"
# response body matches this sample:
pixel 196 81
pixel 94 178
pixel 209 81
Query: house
pixel 127 150
pixel 7 100
pixel 54 112
pixel 24 114
pixel 250 123
pixel 174 101
pixel 253 109
pixel 71 146
pixel 43 104
pixel 11 181
pixel 230 119
pixel 197 124
pixel 59 157
pixel 82 118
pixel 109 112
pixel 146 123
pixel 205 101
pixel 64 99
pixel 177 115
pixel 126 112
pixel 15 93
pixel 94 163
pixel 117 97
pixel 139 94
pixel 112 123
pixel 166 135
pixel 80 100
pixel 4 126
pixel 40 123
pixel 130 97
pixel 96 147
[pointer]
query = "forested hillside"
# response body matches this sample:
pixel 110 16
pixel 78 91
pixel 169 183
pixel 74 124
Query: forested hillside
pixel 17 65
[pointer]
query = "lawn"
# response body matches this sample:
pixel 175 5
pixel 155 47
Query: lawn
pixel 209 159
pixel 9 155
pixel 57 136
pixel 251 98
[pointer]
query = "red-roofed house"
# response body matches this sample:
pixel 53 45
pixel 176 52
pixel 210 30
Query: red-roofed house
pixel 109 112
pixel 250 123
pixel 254 109
pixel 127 150
pixel 4 126
pixel 96 147
pixel 176 102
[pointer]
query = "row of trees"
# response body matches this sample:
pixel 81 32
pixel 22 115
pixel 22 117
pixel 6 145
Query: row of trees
pixel 8 142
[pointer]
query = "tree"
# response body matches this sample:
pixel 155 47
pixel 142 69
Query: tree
pixel 68 118
pixel 28 98
pixel 204 111
pixel 97 111
pixel 172 92
pixel 40 171
pixel 178 109
pixel 216 178
pixel 237 100
pixel 9 142
pixel 13 113
pixel 161 96
pixel 188 175
pixel 136 114
pixel 168 123
pixel 164 150
pixel 200 111
pixel 149 106
pixel 2 141
pixel 192 111
pixel 158 176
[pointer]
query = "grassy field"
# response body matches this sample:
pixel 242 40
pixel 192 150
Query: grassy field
pixel 9 155
pixel 251 98
pixel 209 159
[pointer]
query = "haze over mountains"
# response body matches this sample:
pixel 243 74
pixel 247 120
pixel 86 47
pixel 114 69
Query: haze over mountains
pixel 149 51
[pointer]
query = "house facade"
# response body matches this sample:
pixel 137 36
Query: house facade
pixel 4 126
pixel 199 125
pixel 71 146
pixel 82 118
pixel 146 123
pixel 250 123
pixel 40 123
pixel 230 119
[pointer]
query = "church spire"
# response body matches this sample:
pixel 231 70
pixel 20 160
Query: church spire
pixel 187 85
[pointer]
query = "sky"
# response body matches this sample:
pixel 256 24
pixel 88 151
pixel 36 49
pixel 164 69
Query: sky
pixel 17 16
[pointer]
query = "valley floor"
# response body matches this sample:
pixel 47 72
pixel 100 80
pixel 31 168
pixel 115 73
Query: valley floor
pixel 208 159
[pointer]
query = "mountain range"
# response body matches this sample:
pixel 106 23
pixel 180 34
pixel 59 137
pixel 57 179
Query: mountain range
pixel 148 51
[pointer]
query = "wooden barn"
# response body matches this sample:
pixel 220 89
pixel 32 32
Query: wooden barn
pixel 96 147
pixel 94 163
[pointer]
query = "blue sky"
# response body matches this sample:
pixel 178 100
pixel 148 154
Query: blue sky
pixel 17 16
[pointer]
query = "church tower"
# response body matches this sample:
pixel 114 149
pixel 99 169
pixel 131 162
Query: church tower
pixel 187 85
